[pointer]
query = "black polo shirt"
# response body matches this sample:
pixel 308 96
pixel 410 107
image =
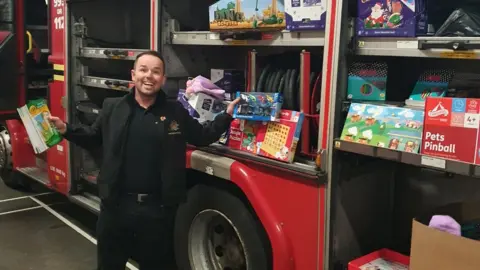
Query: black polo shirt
pixel 142 152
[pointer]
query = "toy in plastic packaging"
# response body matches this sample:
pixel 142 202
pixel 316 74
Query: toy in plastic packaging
pixel 461 23
pixel 258 106
pixel 201 84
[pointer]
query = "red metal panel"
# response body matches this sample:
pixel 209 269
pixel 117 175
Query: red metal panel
pixel 58 156
pixel 289 208
pixel 22 152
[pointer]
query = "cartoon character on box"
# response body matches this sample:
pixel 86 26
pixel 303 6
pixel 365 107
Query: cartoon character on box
pixel 381 18
pixel 258 106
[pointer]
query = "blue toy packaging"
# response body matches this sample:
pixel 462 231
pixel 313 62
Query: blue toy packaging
pixel 392 18
pixel 258 106
pixel 305 14
pixel 432 83
pixel 367 81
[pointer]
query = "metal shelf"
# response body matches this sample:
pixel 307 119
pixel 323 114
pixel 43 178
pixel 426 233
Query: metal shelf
pixel 88 107
pixel 433 47
pixel 281 38
pixel 110 53
pixel 415 159
pixel 106 83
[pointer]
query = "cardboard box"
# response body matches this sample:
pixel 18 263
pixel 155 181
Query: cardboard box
pixel 396 128
pixel 230 80
pixel 432 249
pixel 451 129
pixel 367 81
pixel 305 14
pixel 392 18
pixel 243 135
pixel 241 15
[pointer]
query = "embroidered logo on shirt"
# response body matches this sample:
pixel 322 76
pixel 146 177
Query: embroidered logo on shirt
pixel 174 128
pixel 162 118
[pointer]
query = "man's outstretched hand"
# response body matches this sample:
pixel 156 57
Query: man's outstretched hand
pixel 58 123
pixel 231 106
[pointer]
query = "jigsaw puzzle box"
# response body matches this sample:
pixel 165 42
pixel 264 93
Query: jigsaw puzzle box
pixel 241 15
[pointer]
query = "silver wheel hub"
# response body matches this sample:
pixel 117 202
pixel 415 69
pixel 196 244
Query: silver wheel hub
pixel 5 149
pixel 214 243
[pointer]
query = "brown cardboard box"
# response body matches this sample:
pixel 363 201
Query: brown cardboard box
pixel 432 249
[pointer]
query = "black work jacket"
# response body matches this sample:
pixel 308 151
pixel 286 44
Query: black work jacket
pixel 176 128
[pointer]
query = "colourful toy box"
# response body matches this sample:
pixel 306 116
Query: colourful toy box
pixel 452 129
pixel 201 106
pixel 280 139
pixel 432 83
pixel 258 106
pixel 305 14
pixel 392 18
pixel 243 135
pixel 367 81
pixel 242 15
pixel 390 127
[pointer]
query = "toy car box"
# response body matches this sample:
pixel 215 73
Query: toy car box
pixel 233 15
pixel 305 14
pixel 258 106
pixel 392 18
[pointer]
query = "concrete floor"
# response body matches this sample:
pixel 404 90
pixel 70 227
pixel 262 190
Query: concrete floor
pixel 41 230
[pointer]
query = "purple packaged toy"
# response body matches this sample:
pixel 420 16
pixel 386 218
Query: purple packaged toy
pixel 392 18
pixel 305 14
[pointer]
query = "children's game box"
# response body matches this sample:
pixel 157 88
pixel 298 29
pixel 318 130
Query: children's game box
pixel 396 128
pixel 41 133
pixel 305 14
pixel 275 140
pixel 392 18
pixel 246 15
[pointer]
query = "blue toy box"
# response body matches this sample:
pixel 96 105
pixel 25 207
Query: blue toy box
pixel 258 106
pixel 432 83
pixel 367 81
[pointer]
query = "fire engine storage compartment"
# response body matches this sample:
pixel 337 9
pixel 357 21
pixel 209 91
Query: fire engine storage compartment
pixel 374 198
pixel 98 30
pixel 111 25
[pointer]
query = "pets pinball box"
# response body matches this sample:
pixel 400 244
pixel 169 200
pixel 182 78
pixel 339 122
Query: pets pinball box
pixel 396 128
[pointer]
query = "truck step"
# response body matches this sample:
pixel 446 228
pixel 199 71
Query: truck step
pixel 37 174
pixel 110 53
pixel 106 83
pixel 89 201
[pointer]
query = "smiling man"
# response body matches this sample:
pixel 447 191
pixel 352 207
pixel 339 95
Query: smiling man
pixel 142 178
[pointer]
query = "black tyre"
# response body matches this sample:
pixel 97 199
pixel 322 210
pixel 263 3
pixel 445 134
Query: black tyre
pixel 14 180
pixel 215 231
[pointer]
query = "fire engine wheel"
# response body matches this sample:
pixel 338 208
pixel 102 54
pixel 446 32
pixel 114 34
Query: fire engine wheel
pixel 215 231
pixel 11 178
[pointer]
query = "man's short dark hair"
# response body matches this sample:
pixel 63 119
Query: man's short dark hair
pixel 152 53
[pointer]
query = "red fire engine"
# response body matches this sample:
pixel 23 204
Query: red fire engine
pixel 242 210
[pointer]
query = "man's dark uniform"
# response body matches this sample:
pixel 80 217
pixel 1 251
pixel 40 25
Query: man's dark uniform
pixel 142 177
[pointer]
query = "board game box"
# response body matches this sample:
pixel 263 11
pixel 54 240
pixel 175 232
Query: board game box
pixel 396 128
pixel 280 139
pixel 432 83
pixel 258 106
pixel 305 14
pixel 243 135
pixel 451 129
pixel 392 18
pixel 246 15
pixel 367 81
